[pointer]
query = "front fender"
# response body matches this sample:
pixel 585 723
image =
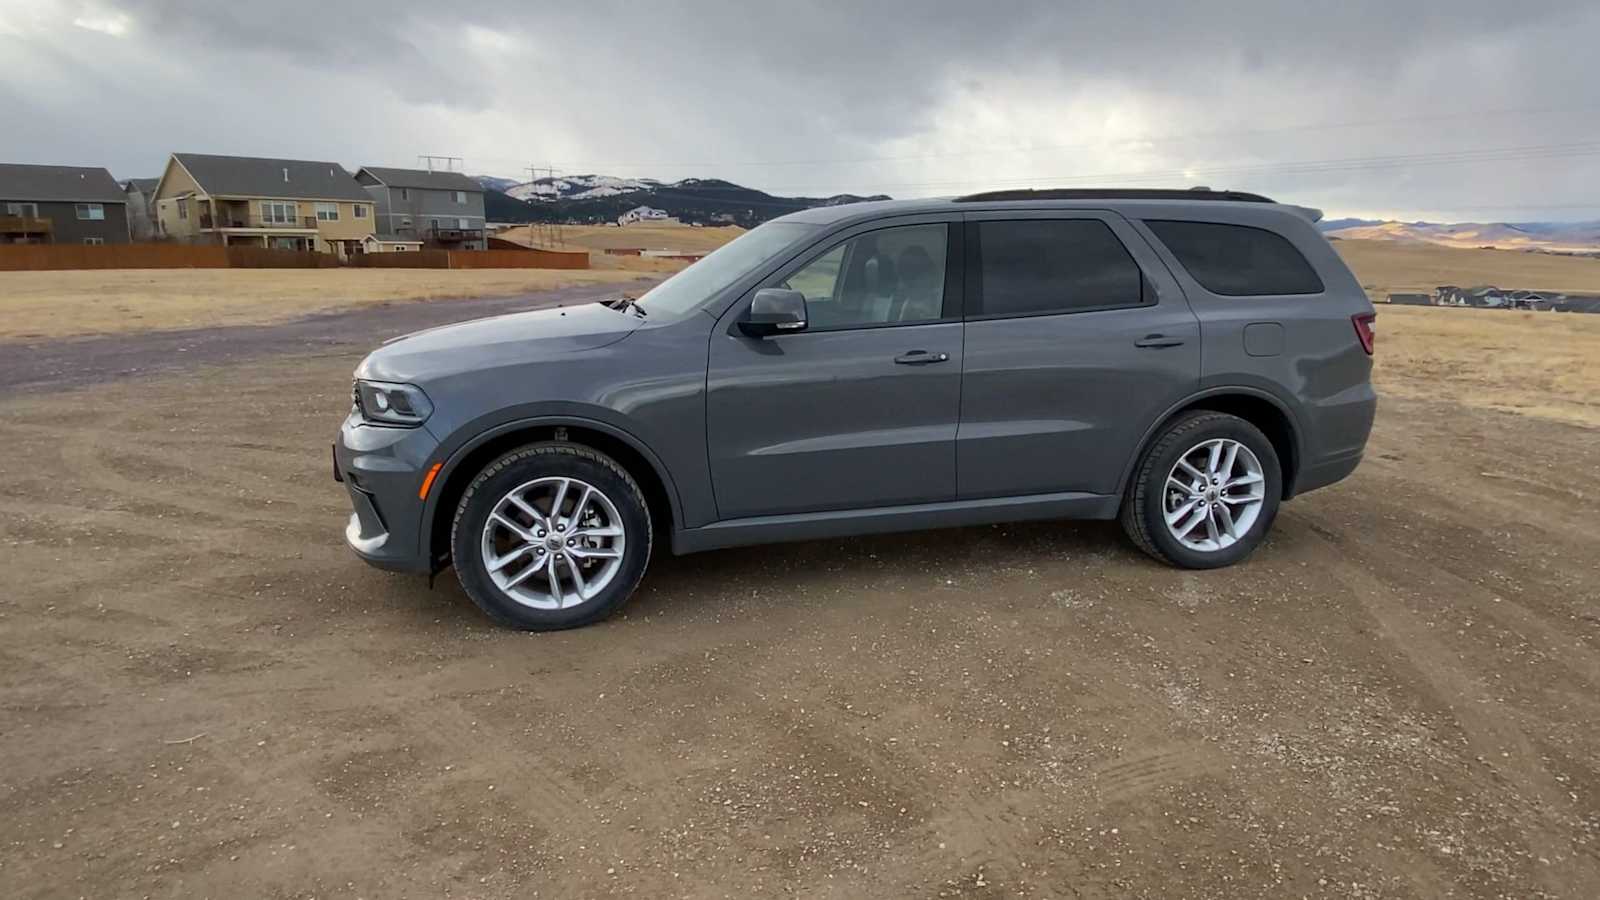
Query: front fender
pixel 467 439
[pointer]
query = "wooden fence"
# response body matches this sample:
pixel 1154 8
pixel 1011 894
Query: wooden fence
pixel 52 257
pixel 403 259
pixel 265 258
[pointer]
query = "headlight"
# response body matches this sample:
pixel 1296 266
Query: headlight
pixel 384 403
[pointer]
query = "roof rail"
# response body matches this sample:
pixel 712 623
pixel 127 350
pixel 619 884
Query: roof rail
pixel 1199 193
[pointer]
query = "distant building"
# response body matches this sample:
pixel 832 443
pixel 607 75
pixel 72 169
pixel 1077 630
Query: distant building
pixel 61 205
pixel 643 214
pixel 141 195
pixel 443 209
pixel 1411 299
pixel 286 204
pixel 391 243
pixel 1527 300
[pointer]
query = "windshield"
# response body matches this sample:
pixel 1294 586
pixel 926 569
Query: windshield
pixel 722 267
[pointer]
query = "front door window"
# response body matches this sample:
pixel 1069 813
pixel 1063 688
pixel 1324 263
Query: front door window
pixel 894 276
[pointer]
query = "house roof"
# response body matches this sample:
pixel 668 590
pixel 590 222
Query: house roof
pixel 143 185
pixel 396 238
pixel 249 176
pixel 423 179
pixel 58 183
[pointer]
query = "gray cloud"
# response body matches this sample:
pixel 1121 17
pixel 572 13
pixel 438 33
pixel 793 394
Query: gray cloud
pixel 1364 108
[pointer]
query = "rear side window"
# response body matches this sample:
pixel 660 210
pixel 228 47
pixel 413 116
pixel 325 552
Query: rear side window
pixel 1033 267
pixel 1237 260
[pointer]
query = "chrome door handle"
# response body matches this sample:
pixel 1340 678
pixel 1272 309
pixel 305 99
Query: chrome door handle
pixel 921 358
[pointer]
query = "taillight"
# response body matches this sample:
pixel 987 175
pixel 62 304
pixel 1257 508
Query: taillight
pixel 1366 329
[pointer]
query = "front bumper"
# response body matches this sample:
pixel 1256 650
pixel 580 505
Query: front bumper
pixel 382 470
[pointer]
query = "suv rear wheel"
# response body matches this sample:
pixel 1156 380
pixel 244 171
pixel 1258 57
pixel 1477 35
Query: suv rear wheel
pixel 1205 493
pixel 551 536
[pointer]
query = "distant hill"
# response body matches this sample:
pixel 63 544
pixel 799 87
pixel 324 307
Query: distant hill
pixel 495 183
pixel 1551 237
pixel 598 199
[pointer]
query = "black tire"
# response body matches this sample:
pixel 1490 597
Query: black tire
pixel 519 467
pixel 1143 515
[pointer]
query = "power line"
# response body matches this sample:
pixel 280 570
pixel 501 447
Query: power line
pixel 1084 145
pixel 1293 167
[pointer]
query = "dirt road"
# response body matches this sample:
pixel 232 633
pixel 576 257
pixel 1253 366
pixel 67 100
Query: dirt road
pixel 204 694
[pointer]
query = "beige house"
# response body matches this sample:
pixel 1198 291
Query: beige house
pixel 288 204
pixel 391 243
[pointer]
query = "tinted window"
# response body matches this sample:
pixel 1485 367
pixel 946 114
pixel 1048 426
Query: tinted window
pixel 885 277
pixel 1038 266
pixel 1237 260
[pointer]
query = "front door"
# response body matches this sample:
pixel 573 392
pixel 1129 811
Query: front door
pixel 860 409
pixel 1078 339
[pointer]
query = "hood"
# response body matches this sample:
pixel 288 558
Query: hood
pixel 498 340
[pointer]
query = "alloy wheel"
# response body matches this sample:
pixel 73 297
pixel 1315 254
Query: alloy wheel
pixel 553 543
pixel 1213 495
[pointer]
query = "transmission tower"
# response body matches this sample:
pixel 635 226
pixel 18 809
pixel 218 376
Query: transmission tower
pixel 439 163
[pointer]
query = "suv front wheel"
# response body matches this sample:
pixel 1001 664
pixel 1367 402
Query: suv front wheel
pixel 551 536
pixel 1205 493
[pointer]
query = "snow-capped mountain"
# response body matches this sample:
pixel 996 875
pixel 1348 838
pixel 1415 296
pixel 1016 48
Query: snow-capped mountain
pixel 604 198
pixel 579 187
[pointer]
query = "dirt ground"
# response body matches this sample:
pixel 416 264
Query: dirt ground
pixel 205 695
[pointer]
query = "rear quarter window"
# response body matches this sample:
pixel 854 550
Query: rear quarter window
pixel 1238 260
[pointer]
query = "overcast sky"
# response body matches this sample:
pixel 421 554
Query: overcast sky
pixel 1460 110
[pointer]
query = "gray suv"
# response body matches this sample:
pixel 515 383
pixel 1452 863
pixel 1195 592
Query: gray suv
pixel 1181 360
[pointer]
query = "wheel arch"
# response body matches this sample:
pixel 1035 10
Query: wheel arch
pixel 468 460
pixel 1260 408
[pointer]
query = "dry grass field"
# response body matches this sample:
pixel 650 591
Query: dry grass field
pixel 42 305
pixel 642 236
pixel 1541 364
pixel 1386 267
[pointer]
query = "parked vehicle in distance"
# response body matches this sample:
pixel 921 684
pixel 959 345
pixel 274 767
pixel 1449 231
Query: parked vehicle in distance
pixel 1183 360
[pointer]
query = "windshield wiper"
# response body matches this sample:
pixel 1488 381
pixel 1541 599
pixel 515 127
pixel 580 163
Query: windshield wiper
pixel 621 303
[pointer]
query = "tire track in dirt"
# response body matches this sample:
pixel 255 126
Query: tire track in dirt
pixel 1489 732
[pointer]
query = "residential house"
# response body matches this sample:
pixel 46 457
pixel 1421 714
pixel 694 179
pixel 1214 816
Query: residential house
pixel 141 194
pixel 391 243
pixel 442 209
pixel 288 204
pixel 61 205
pixel 643 214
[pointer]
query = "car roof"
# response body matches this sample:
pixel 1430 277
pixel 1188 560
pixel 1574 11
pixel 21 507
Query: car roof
pixel 1136 203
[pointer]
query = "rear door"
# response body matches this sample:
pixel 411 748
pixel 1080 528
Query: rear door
pixel 1077 339
pixel 1275 303
pixel 858 410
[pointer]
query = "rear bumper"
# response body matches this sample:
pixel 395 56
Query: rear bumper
pixel 382 470
pixel 1340 429
pixel 1326 472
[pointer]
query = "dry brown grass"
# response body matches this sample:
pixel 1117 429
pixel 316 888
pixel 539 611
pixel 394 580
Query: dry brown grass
pixel 64 304
pixel 1541 364
pixel 1386 267
pixel 645 237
